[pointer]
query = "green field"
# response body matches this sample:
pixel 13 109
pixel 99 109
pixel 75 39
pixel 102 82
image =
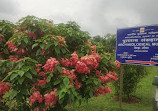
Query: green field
pixel 106 103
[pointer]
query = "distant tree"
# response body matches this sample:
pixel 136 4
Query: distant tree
pixel 98 38
pixel 109 41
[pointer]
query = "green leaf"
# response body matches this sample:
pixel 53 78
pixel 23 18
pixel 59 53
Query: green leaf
pixel 55 43
pixel 42 46
pixel 74 92
pixel 63 51
pixel 7 76
pixel 21 80
pixel 95 82
pixel 47 46
pixel 51 75
pixel 91 94
pixel 6 95
pixel 38 51
pixel 72 97
pixel 19 65
pixel 32 60
pixel 34 30
pixel 34 72
pixel 25 40
pixel 21 73
pixel 6 51
pixel 29 29
pixel 23 43
pixel 13 93
pixel 1 62
pixel 10 65
pixel 64 90
pixel 59 69
pixel 57 81
pixel 48 78
pixel 66 81
pixel 19 98
pixel 13 76
pixel 3 69
pixel 34 45
pixel 24 91
pixel 62 86
pixel 27 68
pixel 57 50
pixel 28 75
pixel 61 95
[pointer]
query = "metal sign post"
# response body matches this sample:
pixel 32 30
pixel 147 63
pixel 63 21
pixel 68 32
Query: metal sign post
pixel 121 87
pixel 136 45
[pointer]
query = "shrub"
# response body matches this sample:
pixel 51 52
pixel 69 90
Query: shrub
pixel 6 31
pixel 49 66
pixel 108 41
pixel 132 73
pixel 131 77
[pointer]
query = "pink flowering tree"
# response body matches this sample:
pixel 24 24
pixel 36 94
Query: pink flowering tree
pixel 49 66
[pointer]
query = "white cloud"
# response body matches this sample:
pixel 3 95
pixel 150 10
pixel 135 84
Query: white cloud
pixel 123 18
pixel 96 16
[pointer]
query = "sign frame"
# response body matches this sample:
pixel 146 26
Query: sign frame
pixel 137 61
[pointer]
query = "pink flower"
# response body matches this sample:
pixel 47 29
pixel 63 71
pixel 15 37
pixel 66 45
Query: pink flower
pixel 72 76
pixel 13 58
pixel 65 62
pixel 51 98
pixel 50 64
pixel 77 84
pixel 43 109
pixel 117 63
pixel 98 72
pixel 31 34
pixel 71 83
pixel 4 87
pixel 102 90
pixel 43 50
pixel 41 82
pixel 96 56
pixel 82 67
pixel 69 73
pixel 36 96
pixel 38 109
pixel 111 76
pixel 38 67
pixel 61 40
pixel 43 74
pixel 74 59
pixel 93 48
pixel 50 24
pixel 1 38
pixel 13 48
pixel 88 42
pixel 90 60
pixel 21 50
pixel 102 79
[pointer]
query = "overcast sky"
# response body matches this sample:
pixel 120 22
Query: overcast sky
pixel 98 17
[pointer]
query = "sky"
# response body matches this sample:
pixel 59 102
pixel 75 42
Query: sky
pixel 98 17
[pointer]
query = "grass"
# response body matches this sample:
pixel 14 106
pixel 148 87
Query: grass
pixel 106 103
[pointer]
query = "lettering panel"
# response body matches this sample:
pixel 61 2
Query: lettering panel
pixel 138 45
